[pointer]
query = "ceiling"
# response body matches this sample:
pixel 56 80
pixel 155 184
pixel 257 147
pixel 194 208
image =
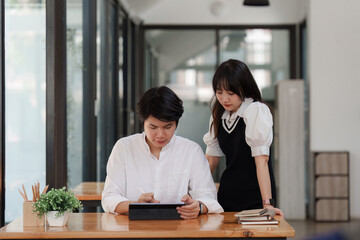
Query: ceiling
pixel 177 47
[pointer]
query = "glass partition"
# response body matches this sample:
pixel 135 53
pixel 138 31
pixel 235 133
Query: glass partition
pixel 25 101
pixel 94 86
pixel 107 90
pixel 265 51
pixel 74 88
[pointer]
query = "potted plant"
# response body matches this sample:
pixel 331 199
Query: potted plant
pixel 56 204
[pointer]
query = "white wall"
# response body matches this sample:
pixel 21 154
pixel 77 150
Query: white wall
pixel 334 79
pixel 228 12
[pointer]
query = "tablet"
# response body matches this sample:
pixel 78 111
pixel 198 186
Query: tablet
pixel 154 211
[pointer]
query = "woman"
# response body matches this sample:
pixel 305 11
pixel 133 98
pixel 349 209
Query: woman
pixel 241 130
pixel 158 166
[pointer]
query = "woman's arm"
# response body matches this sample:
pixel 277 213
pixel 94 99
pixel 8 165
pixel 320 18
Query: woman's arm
pixel 213 162
pixel 263 176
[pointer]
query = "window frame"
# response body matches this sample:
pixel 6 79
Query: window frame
pixel 2 113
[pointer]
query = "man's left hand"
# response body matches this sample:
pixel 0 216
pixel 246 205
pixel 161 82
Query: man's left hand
pixel 190 210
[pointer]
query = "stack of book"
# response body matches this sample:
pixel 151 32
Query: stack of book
pixel 256 217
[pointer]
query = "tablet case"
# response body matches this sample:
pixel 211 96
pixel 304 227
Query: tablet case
pixel 154 211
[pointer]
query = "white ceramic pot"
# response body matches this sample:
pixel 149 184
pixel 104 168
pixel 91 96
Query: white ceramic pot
pixel 54 221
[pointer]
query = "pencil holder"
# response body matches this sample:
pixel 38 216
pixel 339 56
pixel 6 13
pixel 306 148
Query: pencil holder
pixel 30 218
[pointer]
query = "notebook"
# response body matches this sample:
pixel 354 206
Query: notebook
pixel 252 213
pixel 256 217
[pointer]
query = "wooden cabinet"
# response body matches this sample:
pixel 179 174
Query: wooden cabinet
pixel 332 186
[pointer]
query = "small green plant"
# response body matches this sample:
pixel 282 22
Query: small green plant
pixel 60 200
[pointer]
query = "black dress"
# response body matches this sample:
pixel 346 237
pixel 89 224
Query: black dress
pixel 239 189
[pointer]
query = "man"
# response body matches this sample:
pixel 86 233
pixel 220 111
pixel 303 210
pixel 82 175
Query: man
pixel 158 166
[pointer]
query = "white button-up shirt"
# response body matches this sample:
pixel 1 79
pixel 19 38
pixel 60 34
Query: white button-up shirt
pixel 258 132
pixel 181 169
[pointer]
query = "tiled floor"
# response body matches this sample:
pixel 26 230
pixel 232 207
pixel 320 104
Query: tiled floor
pixel 310 229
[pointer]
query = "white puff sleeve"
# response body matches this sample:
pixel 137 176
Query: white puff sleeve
pixel 258 132
pixel 212 144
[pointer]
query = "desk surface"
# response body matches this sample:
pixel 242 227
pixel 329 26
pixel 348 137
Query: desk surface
pixel 89 191
pixel 107 225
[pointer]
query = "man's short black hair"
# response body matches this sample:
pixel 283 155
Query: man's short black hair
pixel 161 103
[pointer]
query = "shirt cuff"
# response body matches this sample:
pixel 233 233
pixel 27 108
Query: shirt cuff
pixel 110 203
pixel 214 152
pixel 260 150
pixel 212 205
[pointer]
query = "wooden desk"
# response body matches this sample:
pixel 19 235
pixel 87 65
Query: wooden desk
pixel 89 193
pixel 107 225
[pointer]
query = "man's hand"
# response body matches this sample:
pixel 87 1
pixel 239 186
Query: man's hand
pixel 190 210
pixel 123 207
pixel 147 198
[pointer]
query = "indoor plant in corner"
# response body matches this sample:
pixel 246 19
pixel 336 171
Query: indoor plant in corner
pixel 57 204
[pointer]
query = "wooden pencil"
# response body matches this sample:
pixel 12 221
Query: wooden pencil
pixel 26 197
pixel 45 189
pixel 23 196
pixel 33 190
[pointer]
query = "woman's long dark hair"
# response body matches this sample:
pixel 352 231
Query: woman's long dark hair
pixel 232 75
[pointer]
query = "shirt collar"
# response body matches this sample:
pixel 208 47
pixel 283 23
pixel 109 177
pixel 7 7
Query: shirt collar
pixel 143 135
pixel 239 112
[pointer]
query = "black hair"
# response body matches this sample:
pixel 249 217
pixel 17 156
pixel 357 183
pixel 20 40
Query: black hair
pixel 161 103
pixel 233 75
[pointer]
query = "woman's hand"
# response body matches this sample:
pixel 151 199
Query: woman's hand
pixel 147 198
pixel 190 210
pixel 278 211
